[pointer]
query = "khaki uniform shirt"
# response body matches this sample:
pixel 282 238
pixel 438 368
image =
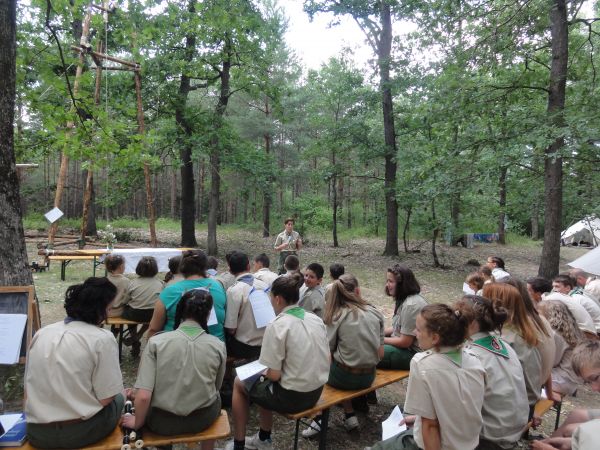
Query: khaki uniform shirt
pixel 586 436
pixel 183 369
pixel 531 362
pixel 266 276
pixel 450 390
pixel 298 348
pixel 592 289
pixel 563 375
pixel 547 349
pixel 505 408
pixel 239 314
pixel 405 319
pixel 122 284
pixel 355 337
pixel 584 320
pixel 226 279
pixel 591 307
pixel 312 300
pixel 143 293
pixel 70 368
pixel 291 239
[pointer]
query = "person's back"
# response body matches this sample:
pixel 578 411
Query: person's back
pixel 122 284
pixel 591 307
pixel 583 318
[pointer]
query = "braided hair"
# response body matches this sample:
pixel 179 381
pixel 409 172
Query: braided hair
pixel 196 305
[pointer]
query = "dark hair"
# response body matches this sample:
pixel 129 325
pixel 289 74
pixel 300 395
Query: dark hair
pixel 450 325
pixel 193 262
pixel 291 263
pixel 113 262
pixel 195 304
pixel 174 263
pixel 498 261
pixel 288 287
pixel 238 262
pixel 263 259
pixel 212 262
pixel 406 284
pixel 88 301
pixel 486 271
pixel 342 295
pixel 489 316
pixel 289 219
pixel 147 267
pixel 336 270
pixel 475 278
pixel 565 280
pixel 540 285
pixel 317 269
pixel 228 257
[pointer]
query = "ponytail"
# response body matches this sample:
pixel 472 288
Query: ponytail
pixel 195 305
pixel 342 295
pixel 451 325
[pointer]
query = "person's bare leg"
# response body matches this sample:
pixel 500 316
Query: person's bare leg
pixel 576 417
pixel 208 445
pixel 265 419
pixel 239 406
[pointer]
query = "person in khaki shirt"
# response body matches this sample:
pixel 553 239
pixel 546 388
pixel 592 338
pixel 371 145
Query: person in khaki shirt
pixel 312 295
pixel 244 339
pixel 288 242
pixel 72 377
pixel 400 343
pixel 115 266
pixel 355 330
pixel 445 388
pixel 178 382
pixel 296 354
pixel 262 271
pixel 505 407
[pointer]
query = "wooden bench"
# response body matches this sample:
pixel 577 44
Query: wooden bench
pixel 218 430
pixel 119 323
pixel 544 405
pixel 332 396
pixel 66 260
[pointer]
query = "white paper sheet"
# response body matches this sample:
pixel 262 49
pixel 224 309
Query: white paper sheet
pixel 391 426
pixel 8 420
pixel 11 336
pixel 467 289
pixel 53 215
pixel 212 317
pixel 250 370
pixel 261 307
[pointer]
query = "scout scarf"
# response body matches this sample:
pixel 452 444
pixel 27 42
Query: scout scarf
pixel 296 311
pixel 454 355
pixel 492 344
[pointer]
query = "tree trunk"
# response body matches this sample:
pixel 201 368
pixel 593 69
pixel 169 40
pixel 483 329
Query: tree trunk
pixel 201 190
pixel 335 208
pixel 502 203
pixel 215 161
pixel 13 254
pixel 535 221
pixel 383 61
pixel 406 228
pixel 174 202
pixel 553 173
pixel 267 193
pixel 436 232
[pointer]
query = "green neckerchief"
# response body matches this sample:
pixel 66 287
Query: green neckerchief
pixel 191 330
pixel 492 344
pixel 576 290
pixel 454 355
pixel 296 311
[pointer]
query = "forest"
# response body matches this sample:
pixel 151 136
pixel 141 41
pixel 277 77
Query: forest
pixel 483 119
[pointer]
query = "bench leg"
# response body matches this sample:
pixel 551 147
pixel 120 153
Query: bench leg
pixel 558 408
pixel 121 328
pixel 94 266
pixel 324 426
pixel 63 269
pixel 296 434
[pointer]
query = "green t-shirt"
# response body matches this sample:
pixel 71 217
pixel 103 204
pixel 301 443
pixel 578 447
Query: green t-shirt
pixel 171 295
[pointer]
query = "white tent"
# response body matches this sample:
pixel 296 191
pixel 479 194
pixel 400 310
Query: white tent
pixel 590 262
pixel 586 230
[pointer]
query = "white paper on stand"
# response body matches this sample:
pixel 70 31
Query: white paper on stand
pixel 250 370
pixel 9 420
pixel 212 318
pixel 53 215
pixel 261 307
pixel 467 289
pixel 11 336
pixel 391 426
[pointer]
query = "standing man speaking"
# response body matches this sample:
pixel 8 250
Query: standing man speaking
pixel 288 242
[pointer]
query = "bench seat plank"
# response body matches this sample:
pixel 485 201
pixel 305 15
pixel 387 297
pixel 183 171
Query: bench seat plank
pixel 218 430
pixel 71 258
pixel 332 396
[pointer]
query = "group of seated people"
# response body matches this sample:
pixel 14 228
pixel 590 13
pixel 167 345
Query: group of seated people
pixel 483 358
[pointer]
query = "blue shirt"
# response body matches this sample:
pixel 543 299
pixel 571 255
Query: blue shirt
pixel 171 295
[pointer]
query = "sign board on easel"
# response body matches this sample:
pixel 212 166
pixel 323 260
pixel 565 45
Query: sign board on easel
pixel 20 300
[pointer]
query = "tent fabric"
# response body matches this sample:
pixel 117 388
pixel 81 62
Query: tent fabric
pixel 586 230
pixel 590 262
